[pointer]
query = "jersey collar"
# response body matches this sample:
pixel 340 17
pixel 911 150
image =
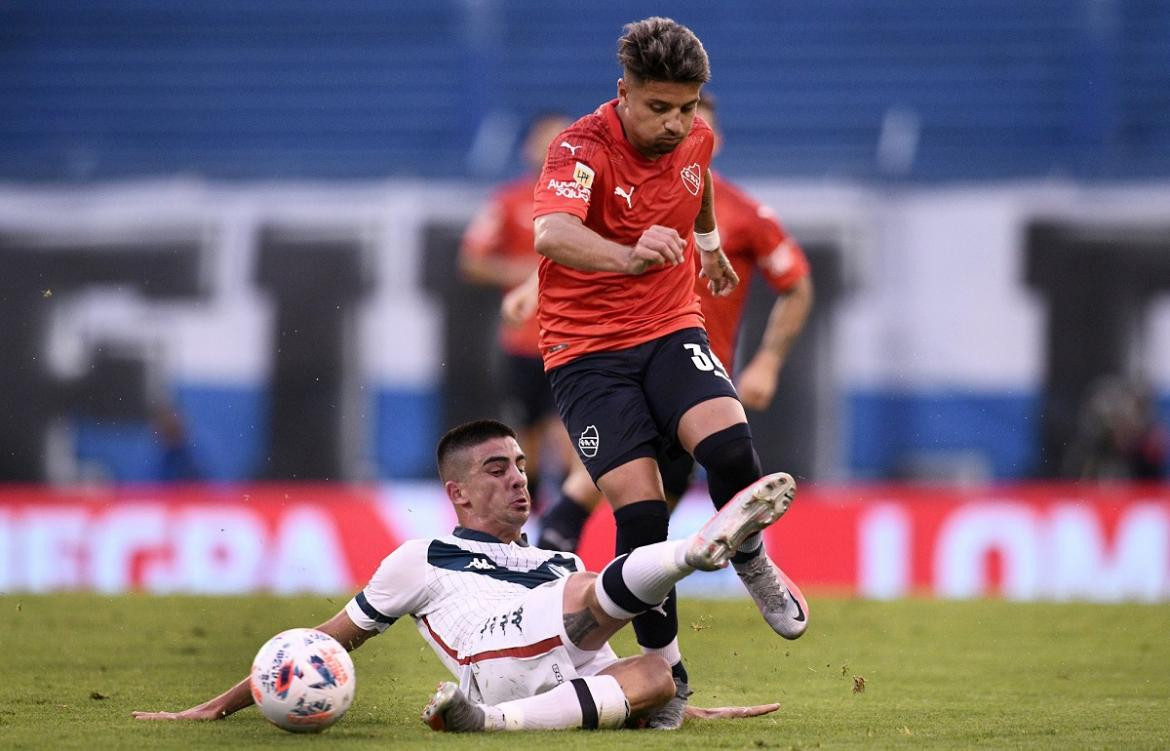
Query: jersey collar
pixel 474 534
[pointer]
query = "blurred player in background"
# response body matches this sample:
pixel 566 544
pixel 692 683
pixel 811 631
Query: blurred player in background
pixel 623 204
pixel 497 251
pixel 526 631
pixel 754 241
pixel 1118 436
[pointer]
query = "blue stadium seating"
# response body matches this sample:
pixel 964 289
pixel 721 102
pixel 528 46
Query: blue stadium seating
pixel 366 88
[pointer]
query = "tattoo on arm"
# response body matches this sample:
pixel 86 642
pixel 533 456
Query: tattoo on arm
pixel 579 625
pixel 705 221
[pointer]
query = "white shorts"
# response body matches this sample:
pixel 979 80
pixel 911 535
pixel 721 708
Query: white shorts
pixel 522 649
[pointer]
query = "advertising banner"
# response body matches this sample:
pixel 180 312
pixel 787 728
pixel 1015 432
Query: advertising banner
pixel 1037 542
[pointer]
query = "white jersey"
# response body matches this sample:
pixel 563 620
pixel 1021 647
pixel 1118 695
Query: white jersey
pixel 457 588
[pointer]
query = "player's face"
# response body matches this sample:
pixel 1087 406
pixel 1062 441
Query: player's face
pixel 494 493
pixel 657 115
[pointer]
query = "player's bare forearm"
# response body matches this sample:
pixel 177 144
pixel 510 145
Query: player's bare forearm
pixel 564 239
pixel 229 702
pixel 786 320
pixel 496 272
pixel 757 382
pixel 729 713
pixel 341 627
pixel 705 221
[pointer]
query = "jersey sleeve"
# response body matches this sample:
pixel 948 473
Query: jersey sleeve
pixel 483 236
pixel 779 257
pixel 396 589
pixel 570 175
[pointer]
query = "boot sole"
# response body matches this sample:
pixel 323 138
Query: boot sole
pixel 766 501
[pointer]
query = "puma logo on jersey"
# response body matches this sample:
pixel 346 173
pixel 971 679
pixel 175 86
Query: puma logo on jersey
pixel 617 191
pixel 479 564
pixel 572 149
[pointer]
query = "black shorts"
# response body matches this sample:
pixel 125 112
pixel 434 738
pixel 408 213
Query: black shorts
pixel 626 404
pixel 527 396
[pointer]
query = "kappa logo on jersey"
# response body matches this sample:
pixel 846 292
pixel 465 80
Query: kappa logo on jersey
pixel 589 442
pixel 572 149
pixel 617 191
pixel 570 189
pixel 583 175
pixel 692 178
pixel 479 564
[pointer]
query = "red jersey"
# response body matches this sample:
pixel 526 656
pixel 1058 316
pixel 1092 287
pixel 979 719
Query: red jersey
pixel 752 239
pixel 503 229
pixel 592 172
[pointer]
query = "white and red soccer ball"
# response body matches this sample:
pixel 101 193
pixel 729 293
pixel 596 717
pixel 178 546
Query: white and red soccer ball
pixel 302 680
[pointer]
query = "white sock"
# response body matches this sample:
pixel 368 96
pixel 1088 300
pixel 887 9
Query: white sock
pixel 590 703
pixel 671 653
pixel 642 579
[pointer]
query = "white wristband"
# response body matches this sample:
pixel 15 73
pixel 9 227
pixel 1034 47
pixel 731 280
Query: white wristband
pixel 708 241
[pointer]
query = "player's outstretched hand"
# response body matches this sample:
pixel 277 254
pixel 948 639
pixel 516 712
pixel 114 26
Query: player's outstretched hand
pixel 194 713
pixel 657 245
pixel 721 278
pixel 730 713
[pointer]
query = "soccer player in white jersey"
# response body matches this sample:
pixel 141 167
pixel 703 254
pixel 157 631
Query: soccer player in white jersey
pixel 525 631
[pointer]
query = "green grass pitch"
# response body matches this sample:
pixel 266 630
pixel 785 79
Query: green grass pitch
pixel 981 674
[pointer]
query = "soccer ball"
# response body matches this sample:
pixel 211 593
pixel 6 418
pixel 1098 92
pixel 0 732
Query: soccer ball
pixel 302 680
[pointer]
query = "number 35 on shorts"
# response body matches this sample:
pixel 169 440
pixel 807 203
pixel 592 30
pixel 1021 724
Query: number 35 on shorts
pixel 706 361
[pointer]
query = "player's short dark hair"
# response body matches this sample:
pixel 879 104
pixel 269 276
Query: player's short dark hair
pixel 661 49
pixel 466 436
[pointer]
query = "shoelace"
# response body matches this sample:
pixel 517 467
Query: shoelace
pixel 761 581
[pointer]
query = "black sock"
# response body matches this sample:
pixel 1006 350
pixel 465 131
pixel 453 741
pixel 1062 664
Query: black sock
pixel 645 523
pixel 731 462
pixel 561 525
pixel 679 672
pixel 742 557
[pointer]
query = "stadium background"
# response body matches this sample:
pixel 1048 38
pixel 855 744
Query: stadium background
pixel 246 214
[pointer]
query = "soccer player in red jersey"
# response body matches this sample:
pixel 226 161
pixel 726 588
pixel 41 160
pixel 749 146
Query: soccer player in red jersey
pixel 754 241
pixel 623 205
pixel 497 250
